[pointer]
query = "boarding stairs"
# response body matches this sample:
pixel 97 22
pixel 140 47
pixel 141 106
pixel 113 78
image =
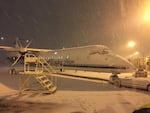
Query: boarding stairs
pixel 41 71
pixel 45 82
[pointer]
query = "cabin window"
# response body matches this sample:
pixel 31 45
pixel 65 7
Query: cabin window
pixel 55 53
pixel 67 57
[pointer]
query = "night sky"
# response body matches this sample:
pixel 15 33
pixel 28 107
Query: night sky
pixel 56 24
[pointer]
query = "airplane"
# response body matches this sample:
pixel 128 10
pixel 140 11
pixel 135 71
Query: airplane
pixel 98 58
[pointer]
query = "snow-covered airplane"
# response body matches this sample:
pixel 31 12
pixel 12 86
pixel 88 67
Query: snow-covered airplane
pixel 90 58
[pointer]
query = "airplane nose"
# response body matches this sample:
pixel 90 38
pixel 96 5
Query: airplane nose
pixel 125 63
pixel 121 63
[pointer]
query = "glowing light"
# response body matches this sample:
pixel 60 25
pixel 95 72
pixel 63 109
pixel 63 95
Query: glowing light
pixel 2 38
pixel 147 15
pixel 136 53
pixel 131 44
pixel 55 53
pixel 27 41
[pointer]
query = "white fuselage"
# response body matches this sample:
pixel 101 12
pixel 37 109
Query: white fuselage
pixel 90 58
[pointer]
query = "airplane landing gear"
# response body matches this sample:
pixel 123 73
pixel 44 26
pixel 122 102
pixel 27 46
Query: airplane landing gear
pixel 12 71
pixel 112 78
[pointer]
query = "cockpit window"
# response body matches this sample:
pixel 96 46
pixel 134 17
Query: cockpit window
pixel 99 51
pixel 105 51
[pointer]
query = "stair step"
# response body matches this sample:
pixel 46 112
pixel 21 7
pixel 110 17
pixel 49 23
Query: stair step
pixel 46 82
pixel 48 85
pixel 41 77
pixel 52 90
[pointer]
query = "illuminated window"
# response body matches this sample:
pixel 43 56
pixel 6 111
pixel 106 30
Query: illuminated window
pixel 55 53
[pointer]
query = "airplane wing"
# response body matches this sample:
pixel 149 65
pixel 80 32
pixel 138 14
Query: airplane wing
pixel 37 50
pixel 7 48
pixel 14 49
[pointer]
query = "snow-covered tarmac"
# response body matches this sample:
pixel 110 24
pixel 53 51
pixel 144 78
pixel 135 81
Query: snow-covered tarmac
pixel 72 96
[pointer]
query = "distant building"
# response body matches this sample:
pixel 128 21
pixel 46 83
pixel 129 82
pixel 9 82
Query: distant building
pixel 142 62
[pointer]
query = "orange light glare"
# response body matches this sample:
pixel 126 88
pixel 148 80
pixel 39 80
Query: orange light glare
pixel 131 44
pixel 147 15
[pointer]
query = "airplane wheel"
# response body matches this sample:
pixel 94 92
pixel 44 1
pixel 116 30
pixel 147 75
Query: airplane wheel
pixel 61 70
pixel 113 78
pixel 117 83
pixel 12 71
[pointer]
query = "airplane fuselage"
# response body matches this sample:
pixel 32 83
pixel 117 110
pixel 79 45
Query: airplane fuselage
pixel 90 58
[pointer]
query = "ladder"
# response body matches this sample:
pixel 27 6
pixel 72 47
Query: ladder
pixel 45 65
pixel 45 83
pixel 40 69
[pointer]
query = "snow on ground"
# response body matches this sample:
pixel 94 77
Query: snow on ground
pixel 74 99
pixel 74 102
